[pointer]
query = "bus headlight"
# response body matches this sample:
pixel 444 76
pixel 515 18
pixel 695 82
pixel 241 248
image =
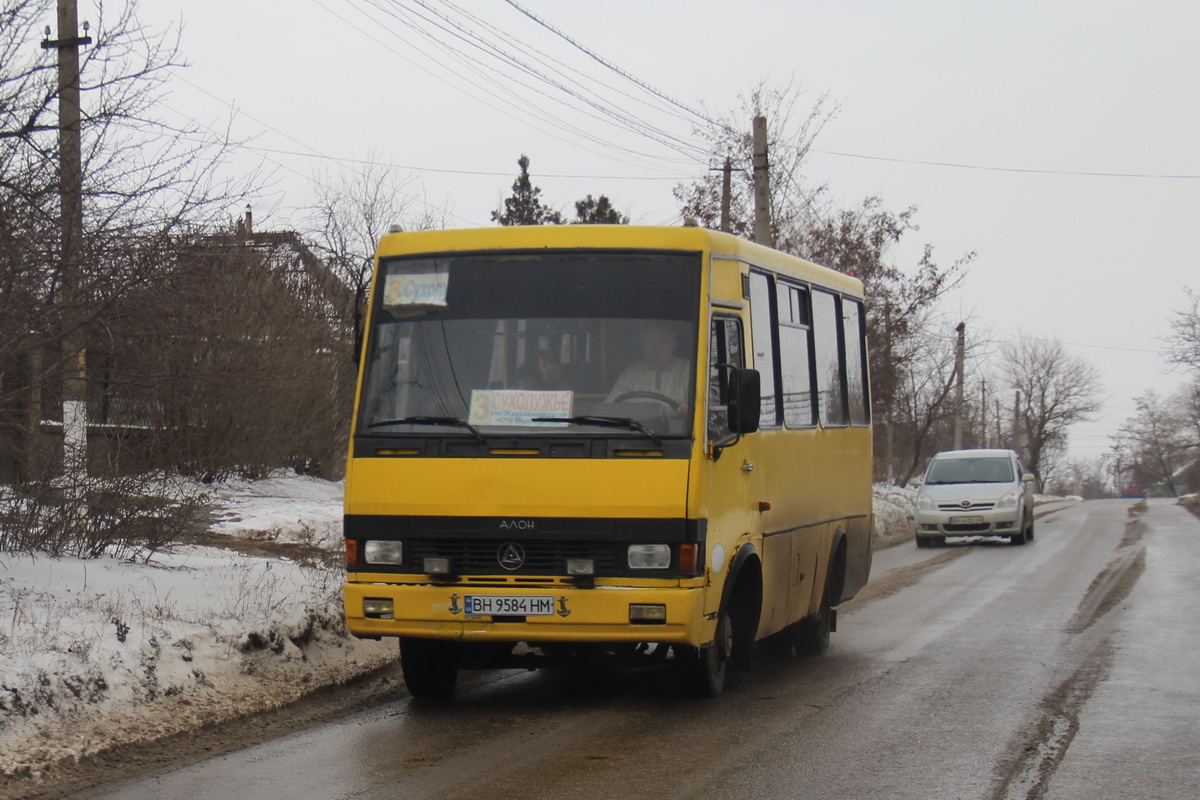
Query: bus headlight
pixel 378 608
pixel 380 551
pixel 649 556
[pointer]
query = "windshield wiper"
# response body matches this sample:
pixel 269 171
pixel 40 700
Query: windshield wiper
pixel 420 420
pixel 609 422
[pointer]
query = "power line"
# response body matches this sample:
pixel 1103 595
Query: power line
pixel 419 23
pixel 609 66
pixel 1022 170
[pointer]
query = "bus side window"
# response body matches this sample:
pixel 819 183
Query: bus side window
pixel 831 368
pixel 725 350
pixel 762 336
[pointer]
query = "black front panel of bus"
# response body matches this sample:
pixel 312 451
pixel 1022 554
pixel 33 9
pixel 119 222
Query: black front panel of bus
pixel 473 544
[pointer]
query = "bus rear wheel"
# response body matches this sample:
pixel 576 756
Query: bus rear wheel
pixel 812 635
pixel 702 670
pixel 430 667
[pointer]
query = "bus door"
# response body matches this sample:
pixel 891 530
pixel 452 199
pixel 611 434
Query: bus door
pixel 732 482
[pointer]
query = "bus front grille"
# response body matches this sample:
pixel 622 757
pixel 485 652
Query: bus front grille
pixel 482 557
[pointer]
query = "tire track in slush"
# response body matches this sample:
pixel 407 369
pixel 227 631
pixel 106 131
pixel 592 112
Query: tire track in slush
pixel 1027 776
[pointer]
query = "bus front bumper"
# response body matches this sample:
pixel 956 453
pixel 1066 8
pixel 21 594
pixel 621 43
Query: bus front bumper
pixel 596 615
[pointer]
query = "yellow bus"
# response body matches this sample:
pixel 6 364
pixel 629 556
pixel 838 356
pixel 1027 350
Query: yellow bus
pixel 615 444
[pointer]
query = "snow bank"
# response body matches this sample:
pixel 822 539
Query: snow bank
pixel 101 653
pixel 893 514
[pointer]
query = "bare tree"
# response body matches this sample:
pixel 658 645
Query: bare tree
pixel 1087 478
pixel 1056 391
pixel 1156 444
pixel 350 215
pixel 1184 342
pixel 921 420
pixel 792 129
pixel 143 182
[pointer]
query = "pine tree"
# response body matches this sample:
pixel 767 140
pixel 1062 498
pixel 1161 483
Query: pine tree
pixel 525 207
pixel 598 211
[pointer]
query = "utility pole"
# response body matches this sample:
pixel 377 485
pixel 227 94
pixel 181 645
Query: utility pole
pixel 762 186
pixel 999 436
pixel 726 189
pixel 983 436
pixel 959 350
pixel 1016 431
pixel 70 178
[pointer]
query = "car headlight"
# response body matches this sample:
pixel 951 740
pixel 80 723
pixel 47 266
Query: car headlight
pixel 925 502
pixel 381 551
pixel 1008 501
pixel 649 556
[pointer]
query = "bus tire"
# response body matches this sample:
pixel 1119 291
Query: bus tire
pixel 812 634
pixel 702 670
pixel 430 667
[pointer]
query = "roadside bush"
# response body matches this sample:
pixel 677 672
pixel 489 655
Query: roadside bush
pixel 129 517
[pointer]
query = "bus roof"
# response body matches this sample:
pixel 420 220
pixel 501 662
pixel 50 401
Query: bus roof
pixel 586 237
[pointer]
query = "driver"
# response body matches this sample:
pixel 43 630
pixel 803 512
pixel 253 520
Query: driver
pixel 661 371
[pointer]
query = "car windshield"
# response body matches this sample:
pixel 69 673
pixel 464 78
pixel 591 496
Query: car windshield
pixel 970 470
pixel 548 343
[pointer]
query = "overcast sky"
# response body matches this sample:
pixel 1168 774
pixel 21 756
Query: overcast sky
pixel 1057 140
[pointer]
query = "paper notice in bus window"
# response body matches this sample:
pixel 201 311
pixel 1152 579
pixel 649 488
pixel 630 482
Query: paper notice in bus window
pixel 408 295
pixel 519 406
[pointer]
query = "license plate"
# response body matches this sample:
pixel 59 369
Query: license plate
pixel 966 520
pixel 509 605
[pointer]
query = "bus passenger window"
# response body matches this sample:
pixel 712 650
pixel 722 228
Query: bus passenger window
pixel 761 333
pixel 830 368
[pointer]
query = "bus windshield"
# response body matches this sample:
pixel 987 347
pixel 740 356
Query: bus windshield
pixel 547 343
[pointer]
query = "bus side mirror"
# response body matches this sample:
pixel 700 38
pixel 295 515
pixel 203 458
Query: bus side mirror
pixel 745 401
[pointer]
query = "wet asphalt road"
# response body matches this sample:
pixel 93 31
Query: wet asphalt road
pixel 1063 669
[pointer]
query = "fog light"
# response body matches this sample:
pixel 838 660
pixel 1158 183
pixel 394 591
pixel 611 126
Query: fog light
pixel 581 566
pixel 379 551
pixel 435 565
pixel 645 614
pixel 378 608
pixel 649 556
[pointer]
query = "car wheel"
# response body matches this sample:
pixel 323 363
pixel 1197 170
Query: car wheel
pixel 924 541
pixel 1018 538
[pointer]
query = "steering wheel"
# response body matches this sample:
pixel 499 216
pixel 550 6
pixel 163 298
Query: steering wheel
pixel 670 402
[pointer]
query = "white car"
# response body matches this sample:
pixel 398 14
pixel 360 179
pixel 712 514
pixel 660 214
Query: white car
pixel 975 493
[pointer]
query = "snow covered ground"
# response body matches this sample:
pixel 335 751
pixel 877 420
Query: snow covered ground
pixel 100 653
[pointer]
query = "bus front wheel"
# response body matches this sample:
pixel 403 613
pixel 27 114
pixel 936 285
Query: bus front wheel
pixel 702 670
pixel 430 667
